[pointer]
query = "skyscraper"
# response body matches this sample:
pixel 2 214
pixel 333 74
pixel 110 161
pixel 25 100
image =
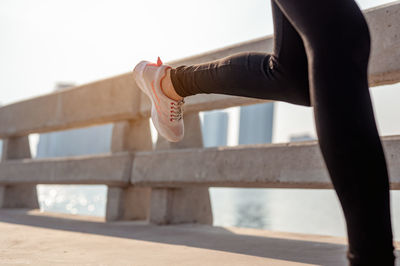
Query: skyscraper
pixel 215 128
pixel 256 123
pixel 301 137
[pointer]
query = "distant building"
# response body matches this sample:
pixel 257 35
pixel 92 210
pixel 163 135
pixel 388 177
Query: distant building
pixel 63 85
pixel 215 128
pixel 256 123
pixel 301 137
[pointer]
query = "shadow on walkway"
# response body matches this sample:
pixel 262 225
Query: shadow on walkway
pixel 199 236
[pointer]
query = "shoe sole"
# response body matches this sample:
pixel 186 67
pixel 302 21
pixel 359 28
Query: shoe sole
pixel 142 83
pixel 139 69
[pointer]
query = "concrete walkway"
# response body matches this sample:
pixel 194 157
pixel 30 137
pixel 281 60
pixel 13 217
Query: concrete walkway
pixel 34 238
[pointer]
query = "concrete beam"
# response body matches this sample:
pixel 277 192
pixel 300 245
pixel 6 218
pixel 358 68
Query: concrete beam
pixel 181 204
pixel 129 202
pixel 17 195
pixel 384 24
pixel 16 148
pixel 100 102
pixel 118 98
pixel 102 169
pixel 289 165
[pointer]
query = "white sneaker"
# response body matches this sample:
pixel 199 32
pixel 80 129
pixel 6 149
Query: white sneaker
pixel 166 113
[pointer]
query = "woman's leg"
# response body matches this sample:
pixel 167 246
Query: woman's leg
pixel 337 42
pixel 281 76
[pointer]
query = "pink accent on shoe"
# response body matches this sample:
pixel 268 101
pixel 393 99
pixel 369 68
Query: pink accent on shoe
pixel 155 103
pixel 154 91
pixel 159 62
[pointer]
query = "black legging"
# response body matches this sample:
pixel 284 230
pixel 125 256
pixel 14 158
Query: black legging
pixel 320 59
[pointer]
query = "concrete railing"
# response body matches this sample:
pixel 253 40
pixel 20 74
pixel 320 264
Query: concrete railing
pixel 170 183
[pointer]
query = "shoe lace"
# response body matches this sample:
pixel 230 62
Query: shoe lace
pixel 176 110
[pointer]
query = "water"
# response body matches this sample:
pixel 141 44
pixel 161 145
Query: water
pixel 86 200
pixel 294 210
pixel 289 210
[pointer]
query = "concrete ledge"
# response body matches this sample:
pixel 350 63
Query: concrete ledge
pixel 384 24
pixel 118 98
pixel 290 165
pixel 100 102
pixel 102 169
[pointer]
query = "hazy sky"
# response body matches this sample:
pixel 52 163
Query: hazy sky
pixel 48 41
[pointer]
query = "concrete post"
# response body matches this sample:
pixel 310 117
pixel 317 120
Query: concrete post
pixel 129 203
pixel 187 204
pixel 17 196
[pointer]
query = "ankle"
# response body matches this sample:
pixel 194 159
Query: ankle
pixel 168 89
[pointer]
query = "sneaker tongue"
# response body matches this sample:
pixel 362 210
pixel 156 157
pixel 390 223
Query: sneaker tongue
pixel 159 62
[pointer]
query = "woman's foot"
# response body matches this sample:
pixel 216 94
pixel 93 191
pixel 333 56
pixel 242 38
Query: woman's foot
pixel 166 105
